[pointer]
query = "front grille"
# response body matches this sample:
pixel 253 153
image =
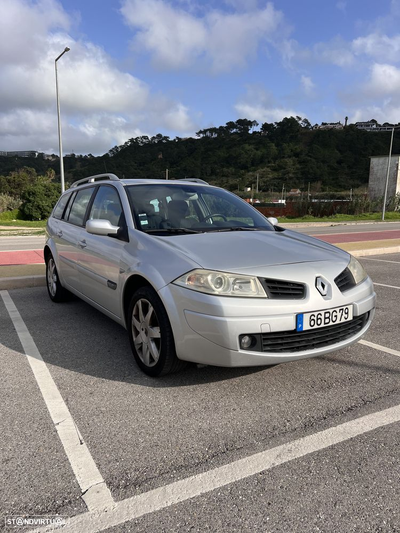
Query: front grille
pixel 345 280
pixel 297 341
pixel 277 289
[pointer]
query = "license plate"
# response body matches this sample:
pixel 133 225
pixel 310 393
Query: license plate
pixel 321 319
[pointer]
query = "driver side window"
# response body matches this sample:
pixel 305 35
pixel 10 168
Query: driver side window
pixel 232 212
pixel 107 206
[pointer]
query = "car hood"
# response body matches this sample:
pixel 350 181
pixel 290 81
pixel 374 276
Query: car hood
pixel 249 251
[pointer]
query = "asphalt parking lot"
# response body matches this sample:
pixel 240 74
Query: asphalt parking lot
pixel 308 446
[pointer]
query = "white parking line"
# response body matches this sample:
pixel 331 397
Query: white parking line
pixel 104 513
pixel 380 348
pixel 193 486
pixel 95 492
pixel 383 285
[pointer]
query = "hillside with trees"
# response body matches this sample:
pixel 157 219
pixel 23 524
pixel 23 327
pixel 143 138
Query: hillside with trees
pixel 288 153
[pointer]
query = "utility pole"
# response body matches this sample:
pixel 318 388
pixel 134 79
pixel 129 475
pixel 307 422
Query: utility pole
pixel 166 173
pixel 66 49
pixel 257 182
pixel 387 176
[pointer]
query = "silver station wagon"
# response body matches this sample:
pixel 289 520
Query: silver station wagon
pixel 196 274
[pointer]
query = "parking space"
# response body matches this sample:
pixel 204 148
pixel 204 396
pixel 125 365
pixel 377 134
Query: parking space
pixel 35 475
pixel 145 434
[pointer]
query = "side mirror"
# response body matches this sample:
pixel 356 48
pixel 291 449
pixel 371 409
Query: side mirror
pixel 101 227
pixel 273 220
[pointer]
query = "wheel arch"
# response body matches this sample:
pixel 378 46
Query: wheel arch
pixel 47 252
pixel 133 283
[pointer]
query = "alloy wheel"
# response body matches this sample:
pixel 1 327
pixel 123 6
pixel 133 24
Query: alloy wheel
pixel 146 332
pixel 52 277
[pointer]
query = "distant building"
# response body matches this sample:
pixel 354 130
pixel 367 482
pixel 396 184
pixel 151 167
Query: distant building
pixel 377 176
pixel 374 126
pixel 331 126
pixel 294 192
pixel 23 153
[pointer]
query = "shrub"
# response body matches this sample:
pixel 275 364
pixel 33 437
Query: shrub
pixel 39 199
pixel 8 202
pixel 6 216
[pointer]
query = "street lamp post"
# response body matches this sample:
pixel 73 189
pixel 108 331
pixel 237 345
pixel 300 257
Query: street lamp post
pixel 66 49
pixel 387 176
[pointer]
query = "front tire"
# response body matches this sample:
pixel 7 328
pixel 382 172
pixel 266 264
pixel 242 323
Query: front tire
pixel 150 334
pixel 56 291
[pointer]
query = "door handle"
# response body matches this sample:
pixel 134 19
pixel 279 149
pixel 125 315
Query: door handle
pixel 59 234
pixel 82 243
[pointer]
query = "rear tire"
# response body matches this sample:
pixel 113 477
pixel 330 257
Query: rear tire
pixel 150 334
pixel 56 291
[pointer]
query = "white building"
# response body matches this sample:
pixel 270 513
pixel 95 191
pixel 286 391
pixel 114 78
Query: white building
pixel 377 176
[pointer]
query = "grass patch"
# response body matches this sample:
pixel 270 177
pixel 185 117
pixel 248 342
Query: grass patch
pixel 23 223
pixel 21 231
pixel 391 215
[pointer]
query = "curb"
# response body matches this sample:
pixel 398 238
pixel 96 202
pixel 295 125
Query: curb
pixel 22 282
pixel 376 251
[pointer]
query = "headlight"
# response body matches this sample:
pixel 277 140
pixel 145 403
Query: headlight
pixel 222 283
pixel 357 270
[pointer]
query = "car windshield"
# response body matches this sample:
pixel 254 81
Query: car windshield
pixel 171 209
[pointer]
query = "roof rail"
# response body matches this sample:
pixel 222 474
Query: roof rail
pixel 195 180
pixel 92 179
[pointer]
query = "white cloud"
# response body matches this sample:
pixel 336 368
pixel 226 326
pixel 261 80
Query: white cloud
pixel 378 96
pixel 336 52
pixel 100 105
pixel 384 81
pixel 24 26
pixel 383 113
pixel 379 47
pixel 261 106
pixel 176 39
pixel 308 85
pixel 243 5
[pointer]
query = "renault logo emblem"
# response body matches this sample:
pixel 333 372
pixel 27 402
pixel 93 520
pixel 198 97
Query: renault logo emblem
pixel 322 286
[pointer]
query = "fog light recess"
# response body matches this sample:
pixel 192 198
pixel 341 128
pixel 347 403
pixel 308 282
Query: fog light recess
pixel 246 341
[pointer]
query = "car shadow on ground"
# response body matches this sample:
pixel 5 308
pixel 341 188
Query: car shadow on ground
pixel 78 338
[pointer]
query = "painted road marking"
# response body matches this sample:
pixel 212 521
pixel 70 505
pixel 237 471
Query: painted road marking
pixel 380 348
pixel 104 513
pixel 185 489
pixel 95 492
pixel 383 285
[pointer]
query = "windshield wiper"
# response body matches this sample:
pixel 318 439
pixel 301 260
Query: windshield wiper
pixel 173 230
pixel 236 228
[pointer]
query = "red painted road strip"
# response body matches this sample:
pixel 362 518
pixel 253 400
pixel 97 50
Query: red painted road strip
pixel 357 237
pixel 21 257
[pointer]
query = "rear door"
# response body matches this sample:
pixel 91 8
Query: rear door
pixel 70 235
pixel 100 257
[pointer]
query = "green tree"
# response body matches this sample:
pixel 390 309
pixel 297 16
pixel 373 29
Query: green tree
pixel 39 199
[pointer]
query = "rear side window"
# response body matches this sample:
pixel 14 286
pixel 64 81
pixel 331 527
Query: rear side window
pixel 60 207
pixel 79 206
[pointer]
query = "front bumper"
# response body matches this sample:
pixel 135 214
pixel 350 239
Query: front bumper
pixel 207 328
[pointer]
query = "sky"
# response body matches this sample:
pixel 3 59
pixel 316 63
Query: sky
pixel 142 67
